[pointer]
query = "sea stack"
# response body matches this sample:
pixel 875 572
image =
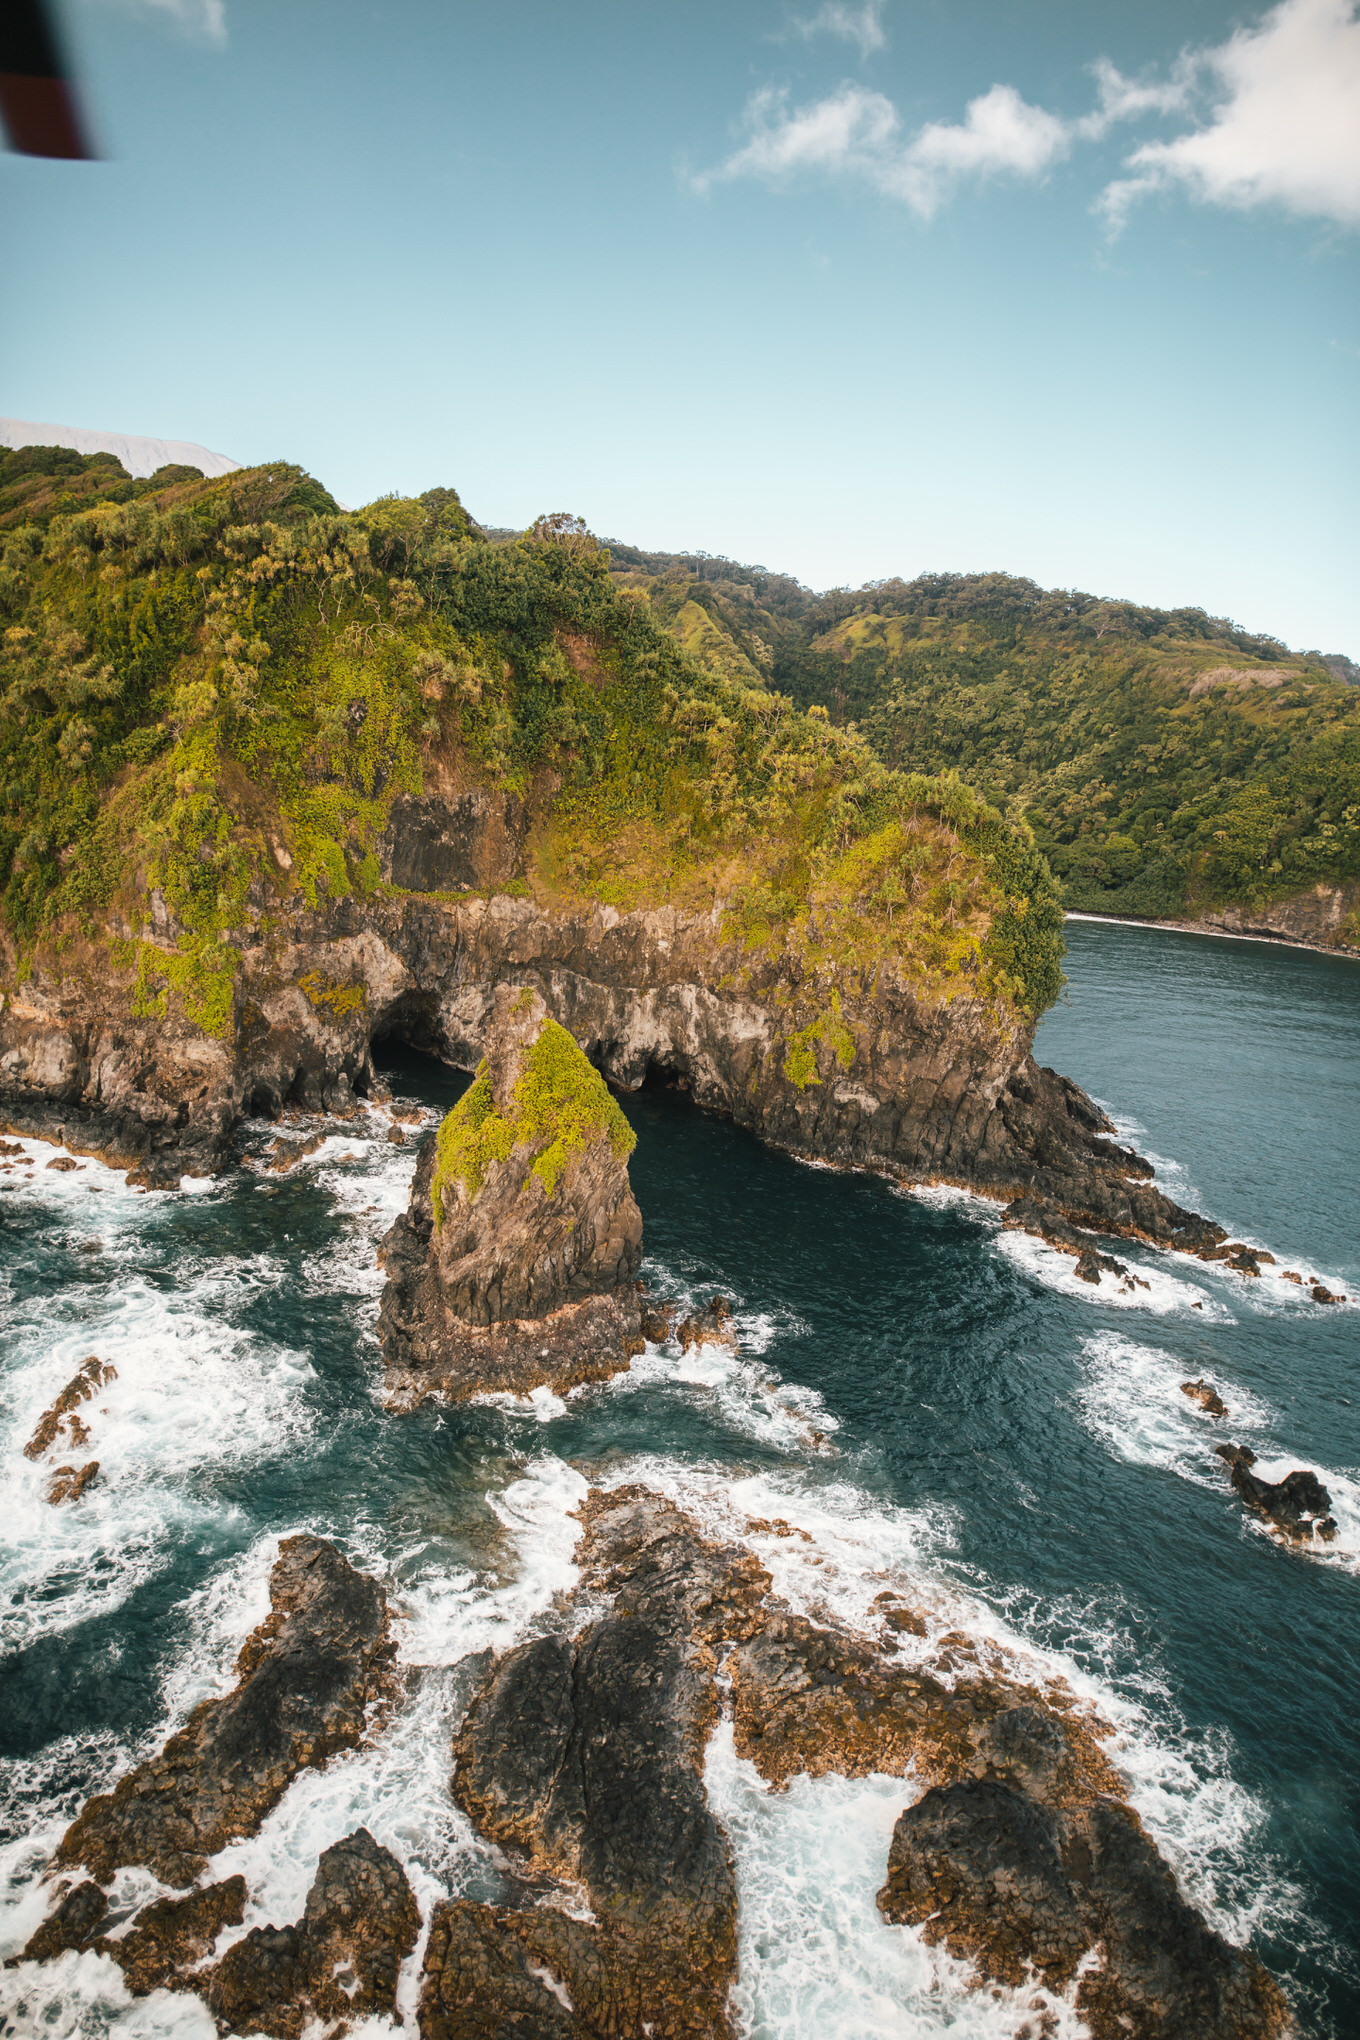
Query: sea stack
pixel 515 1265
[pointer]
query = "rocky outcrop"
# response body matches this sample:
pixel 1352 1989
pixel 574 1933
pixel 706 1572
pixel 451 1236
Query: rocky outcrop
pixel 1017 1885
pixel 1298 1506
pixel 340 1961
pixel 1205 1396
pixel 308 1677
pixel 516 1262
pixel 582 1759
pixel 59 1425
pixel 585 1760
pixel 926 1089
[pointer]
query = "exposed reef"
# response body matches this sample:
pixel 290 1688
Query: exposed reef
pixel 516 1262
pixel 308 1677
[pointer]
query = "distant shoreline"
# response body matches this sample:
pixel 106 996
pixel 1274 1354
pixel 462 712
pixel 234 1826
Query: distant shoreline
pixel 1222 934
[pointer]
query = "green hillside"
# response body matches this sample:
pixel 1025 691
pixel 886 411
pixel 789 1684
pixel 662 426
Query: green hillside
pixel 212 692
pixel 1166 760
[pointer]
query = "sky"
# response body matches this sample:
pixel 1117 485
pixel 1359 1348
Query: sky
pixel 1066 289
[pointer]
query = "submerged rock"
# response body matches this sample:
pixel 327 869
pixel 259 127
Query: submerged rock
pixel 1298 1506
pixel 308 1676
pixel 515 1265
pixel 1044 1221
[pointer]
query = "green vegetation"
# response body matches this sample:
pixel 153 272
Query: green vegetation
pixel 800 1060
pixel 1164 760
pixel 561 1107
pixel 212 691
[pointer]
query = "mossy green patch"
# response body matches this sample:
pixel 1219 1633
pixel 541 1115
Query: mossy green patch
pixel 329 997
pixel 800 1060
pixel 561 1106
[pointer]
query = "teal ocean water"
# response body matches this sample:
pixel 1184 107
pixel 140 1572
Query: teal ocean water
pixel 942 1407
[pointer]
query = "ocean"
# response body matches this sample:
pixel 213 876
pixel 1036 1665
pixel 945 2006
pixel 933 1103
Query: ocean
pixel 942 1407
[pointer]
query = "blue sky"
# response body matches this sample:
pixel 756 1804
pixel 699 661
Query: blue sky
pixel 1064 289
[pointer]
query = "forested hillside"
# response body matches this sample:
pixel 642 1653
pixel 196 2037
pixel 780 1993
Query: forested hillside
pixel 1166 760
pixel 212 692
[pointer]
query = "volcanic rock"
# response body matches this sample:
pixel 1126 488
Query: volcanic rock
pixel 340 1961
pixel 587 1758
pixel 515 1264
pixel 92 1376
pixel 1044 1221
pixel 173 1935
pixel 68 1483
pixel 308 1676
pixel 1007 1879
pixel 711 1327
pixel 1298 1506
pixel 1207 1397
pixel 73 1923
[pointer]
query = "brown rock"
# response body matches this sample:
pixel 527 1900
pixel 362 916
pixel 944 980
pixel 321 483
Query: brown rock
pixel 515 1265
pixel 1207 1397
pixel 63 1163
pixel 174 1935
pixel 73 1923
pixel 340 1961
pixel 1297 1506
pixel 68 1483
pixel 308 1676
pixel 94 1374
pixel 1321 1294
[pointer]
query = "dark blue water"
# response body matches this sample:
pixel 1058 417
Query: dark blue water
pixel 937 1404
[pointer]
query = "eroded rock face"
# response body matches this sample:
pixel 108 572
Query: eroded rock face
pixel 586 1757
pixel 932 1092
pixel 308 1676
pixel 516 1262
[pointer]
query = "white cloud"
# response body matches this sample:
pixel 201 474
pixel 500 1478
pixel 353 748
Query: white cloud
pixel 1280 124
pixel 1287 130
pixel 862 25
pixel 857 133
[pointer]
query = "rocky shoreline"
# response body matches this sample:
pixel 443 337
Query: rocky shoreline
pixel 581 1758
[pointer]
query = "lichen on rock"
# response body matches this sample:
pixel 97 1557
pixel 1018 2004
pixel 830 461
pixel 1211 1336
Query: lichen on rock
pixel 515 1264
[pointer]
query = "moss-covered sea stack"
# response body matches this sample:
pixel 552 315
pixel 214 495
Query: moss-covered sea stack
pixel 515 1265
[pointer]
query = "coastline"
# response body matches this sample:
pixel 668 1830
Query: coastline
pixel 1220 934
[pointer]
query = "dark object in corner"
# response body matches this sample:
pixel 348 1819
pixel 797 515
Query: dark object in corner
pixel 37 98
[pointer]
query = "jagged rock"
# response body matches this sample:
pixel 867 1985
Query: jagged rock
pixel 68 1483
pixel 340 1961
pixel 516 1262
pixel 173 1935
pixel 711 1327
pixel 94 1374
pixel 73 1923
pixel 64 1163
pixel 587 1757
pixel 1044 1221
pixel 1006 1878
pixel 1321 1294
pixel 308 1676
pixel 1298 1506
pixel 1207 1397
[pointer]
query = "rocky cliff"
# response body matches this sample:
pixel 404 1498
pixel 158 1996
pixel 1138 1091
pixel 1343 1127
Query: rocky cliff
pixel 856 1066
pixel 515 1264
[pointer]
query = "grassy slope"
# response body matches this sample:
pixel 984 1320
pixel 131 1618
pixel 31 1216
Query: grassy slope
pixel 1164 760
pixel 212 691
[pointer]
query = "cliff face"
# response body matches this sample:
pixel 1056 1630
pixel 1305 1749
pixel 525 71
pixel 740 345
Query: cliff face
pixel 855 1068
pixel 514 1265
